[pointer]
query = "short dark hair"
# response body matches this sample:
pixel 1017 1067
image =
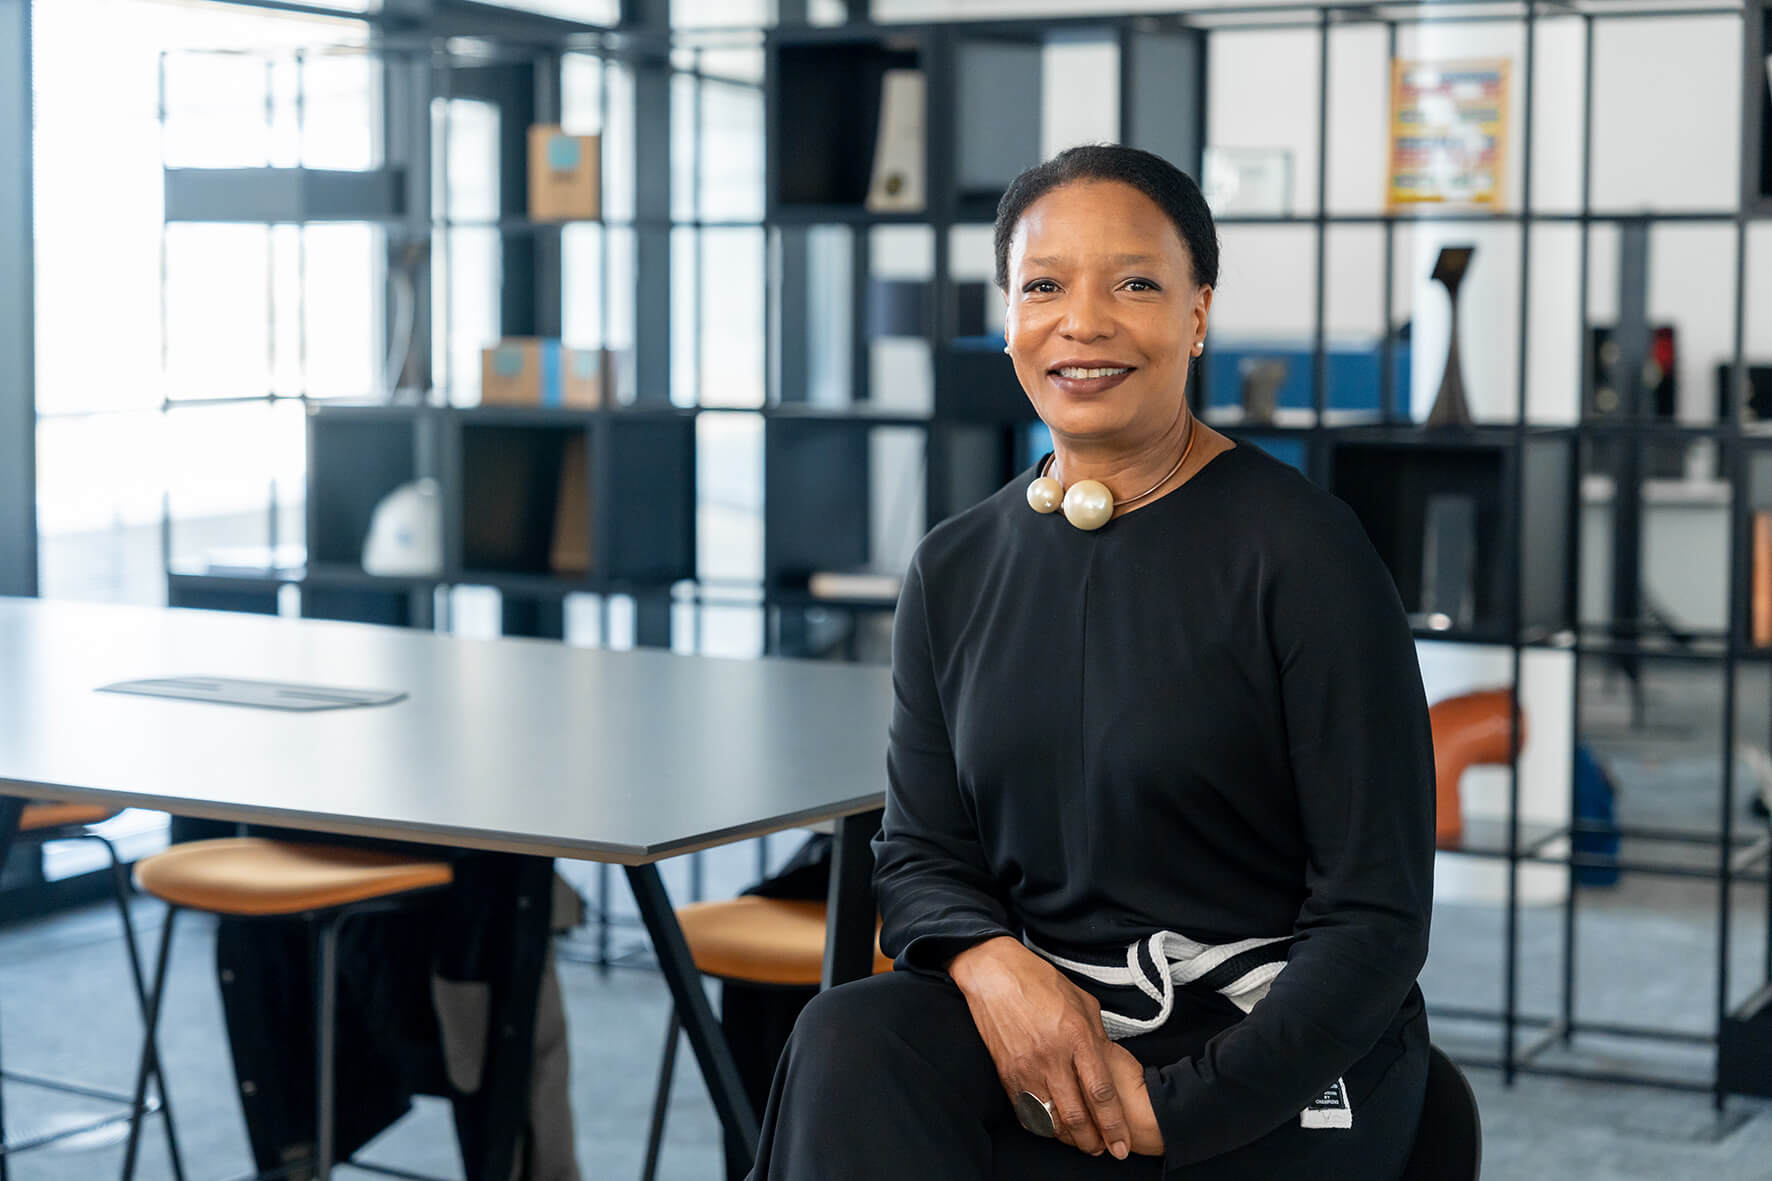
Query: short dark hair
pixel 1173 190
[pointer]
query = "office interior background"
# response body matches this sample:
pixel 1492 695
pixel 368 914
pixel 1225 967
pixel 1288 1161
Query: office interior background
pixel 259 261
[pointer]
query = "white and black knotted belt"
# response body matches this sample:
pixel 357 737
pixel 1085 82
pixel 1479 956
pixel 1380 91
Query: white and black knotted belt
pixel 1241 972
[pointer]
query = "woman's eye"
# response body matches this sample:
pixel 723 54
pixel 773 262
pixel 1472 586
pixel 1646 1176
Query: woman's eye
pixel 1040 287
pixel 1140 285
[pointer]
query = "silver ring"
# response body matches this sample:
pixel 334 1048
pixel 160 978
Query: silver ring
pixel 1035 1114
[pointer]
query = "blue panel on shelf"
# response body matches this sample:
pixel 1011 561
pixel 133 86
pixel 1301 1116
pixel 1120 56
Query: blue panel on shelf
pixel 550 374
pixel 1353 370
pixel 1284 448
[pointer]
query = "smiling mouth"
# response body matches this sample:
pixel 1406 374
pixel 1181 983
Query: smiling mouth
pixel 1077 373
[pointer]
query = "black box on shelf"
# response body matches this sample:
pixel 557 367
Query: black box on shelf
pixel 977 383
pixel 816 513
pixel 642 485
pixel 1753 392
pixel 1439 509
pixel 996 110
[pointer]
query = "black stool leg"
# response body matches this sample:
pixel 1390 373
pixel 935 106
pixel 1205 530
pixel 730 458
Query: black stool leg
pixel 655 1134
pixel 148 1059
pixel 120 890
pixel 325 1021
pixel 11 808
pixel 5 1171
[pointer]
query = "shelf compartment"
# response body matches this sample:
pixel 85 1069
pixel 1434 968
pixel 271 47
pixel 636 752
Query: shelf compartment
pixel 1439 509
pixel 975 382
pixel 513 481
pixel 816 507
pixel 823 99
pixel 996 110
pixel 643 479
pixel 355 458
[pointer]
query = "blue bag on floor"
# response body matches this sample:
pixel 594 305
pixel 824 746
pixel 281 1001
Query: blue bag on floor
pixel 1594 804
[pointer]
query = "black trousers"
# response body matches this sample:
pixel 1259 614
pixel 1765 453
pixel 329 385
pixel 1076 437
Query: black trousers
pixel 888 1078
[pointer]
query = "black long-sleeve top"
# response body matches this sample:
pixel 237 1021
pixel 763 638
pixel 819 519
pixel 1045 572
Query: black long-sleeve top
pixel 1205 717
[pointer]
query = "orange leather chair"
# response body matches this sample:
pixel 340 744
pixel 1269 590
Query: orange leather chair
pixel 38 823
pixel 756 940
pixel 1469 730
pixel 252 877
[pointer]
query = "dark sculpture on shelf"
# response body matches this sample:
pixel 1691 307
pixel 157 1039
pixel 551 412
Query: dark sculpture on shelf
pixel 1450 408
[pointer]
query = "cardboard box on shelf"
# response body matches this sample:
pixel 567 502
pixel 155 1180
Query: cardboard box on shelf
pixel 565 181
pixel 531 371
pixel 570 552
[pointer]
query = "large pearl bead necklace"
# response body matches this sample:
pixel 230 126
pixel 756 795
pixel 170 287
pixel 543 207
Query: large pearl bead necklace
pixel 1090 504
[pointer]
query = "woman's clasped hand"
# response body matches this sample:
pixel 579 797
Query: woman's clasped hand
pixel 1046 1038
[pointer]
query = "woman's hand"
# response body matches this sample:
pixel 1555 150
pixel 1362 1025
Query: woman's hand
pixel 1045 1036
pixel 1135 1100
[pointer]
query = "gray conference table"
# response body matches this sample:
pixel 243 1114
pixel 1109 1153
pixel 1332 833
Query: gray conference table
pixel 521 747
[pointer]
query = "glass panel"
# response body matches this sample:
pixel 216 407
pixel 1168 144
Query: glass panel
pixel 732 151
pixel 339 110
pixel 618 143
pixel 618 298
pixel 685 326
pixel 218 315
pixel 342 302
pixel 581 93
pixel 467 254
pixel 467 277
pixel 731 317
pixel 721 13
pixel 729 488
pixel 600 12
pixel 582 296
pixel 685 112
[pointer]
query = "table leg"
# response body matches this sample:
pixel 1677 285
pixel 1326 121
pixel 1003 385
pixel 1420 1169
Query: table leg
pixel 705 1036
pixel 511 1049
pixel 849 908
pixel 11 808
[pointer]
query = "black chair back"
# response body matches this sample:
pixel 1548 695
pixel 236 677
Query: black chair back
pixel 1449 1138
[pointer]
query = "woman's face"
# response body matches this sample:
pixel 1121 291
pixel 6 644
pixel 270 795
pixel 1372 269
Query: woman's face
pixel 1099 279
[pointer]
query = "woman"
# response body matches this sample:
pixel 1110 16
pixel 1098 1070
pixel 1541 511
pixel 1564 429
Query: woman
pixel 1156 865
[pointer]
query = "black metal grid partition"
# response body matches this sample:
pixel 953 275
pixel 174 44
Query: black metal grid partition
pixel 825 410
pixel 1525 475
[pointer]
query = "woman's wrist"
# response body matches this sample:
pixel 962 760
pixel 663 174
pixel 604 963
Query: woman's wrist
pixel 964 968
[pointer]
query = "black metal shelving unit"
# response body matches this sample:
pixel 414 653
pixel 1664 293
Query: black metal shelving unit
pixel 1528 476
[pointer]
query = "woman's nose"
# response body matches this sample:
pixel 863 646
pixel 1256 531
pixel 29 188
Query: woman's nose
pixel 1087 317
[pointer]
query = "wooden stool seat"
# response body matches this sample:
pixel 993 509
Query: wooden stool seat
pixel 252 876
pixel 37 817
pixel 762 940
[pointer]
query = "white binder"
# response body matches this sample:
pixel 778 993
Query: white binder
pixel 898 184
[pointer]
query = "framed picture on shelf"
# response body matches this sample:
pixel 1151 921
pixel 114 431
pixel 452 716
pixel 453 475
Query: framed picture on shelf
pixel 1448 142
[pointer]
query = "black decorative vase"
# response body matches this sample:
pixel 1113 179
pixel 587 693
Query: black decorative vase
pixel 1450 407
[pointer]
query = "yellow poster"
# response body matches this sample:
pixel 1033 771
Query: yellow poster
pixel 1448 132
